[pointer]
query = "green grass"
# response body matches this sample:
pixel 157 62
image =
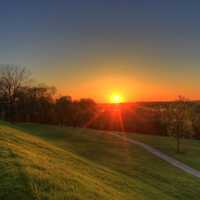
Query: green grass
pixel 34 169
pixel 190 149
pixel 70 163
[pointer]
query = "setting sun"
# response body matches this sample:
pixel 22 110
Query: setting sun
pixel 116 98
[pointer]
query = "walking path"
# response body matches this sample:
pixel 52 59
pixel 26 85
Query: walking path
pixel 162 156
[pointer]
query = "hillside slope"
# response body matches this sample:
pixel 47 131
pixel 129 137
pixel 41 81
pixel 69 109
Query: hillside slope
pixel 33 169
pixel 83 167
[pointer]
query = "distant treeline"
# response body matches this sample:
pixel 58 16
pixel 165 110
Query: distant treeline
pixel 21 102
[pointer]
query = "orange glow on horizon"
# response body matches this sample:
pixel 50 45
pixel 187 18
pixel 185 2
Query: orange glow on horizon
pixel 118 89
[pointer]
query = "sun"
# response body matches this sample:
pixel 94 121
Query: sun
pixel 116 98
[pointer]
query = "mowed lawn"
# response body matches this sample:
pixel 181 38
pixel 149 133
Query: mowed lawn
pixel 33 169
pixel 139 174
pixel 190 149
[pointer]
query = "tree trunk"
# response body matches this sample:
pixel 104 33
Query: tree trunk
pixel 178 145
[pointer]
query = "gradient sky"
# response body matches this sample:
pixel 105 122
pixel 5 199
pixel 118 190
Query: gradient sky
pixel 144 50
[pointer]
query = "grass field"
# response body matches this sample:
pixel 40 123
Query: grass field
pixel 190 149
pixel 49 162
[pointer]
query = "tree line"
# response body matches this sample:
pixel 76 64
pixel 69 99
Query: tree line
pixel 21 102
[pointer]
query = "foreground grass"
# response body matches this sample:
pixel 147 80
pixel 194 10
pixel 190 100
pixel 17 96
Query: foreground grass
pixel 34 169
pixel 130 172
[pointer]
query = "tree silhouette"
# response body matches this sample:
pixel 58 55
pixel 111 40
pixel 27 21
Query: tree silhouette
pixel 12 80
pixel 178 119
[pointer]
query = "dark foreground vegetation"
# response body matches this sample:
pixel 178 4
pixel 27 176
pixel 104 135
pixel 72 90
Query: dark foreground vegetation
pixel 21 101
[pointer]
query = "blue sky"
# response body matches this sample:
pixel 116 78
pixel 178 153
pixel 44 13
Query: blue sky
pixel 76 45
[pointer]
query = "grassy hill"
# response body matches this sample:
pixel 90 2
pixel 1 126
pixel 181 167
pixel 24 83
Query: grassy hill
pixel 49 162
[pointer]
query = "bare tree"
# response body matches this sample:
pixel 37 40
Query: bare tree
pixel 12 79
pixel 178 119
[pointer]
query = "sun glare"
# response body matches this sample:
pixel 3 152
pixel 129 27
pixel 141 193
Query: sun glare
pixel 116 99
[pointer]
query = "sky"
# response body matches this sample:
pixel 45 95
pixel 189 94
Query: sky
pixel 142 50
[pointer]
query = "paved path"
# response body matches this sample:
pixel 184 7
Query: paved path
pixel 162 156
